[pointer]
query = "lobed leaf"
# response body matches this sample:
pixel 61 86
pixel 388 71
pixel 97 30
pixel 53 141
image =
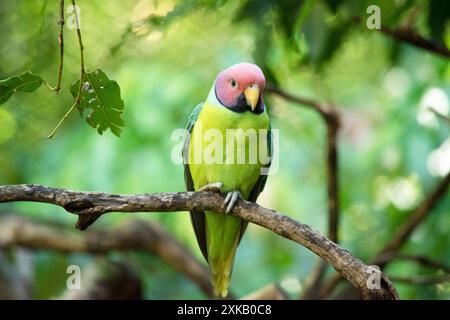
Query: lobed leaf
pixel 100 102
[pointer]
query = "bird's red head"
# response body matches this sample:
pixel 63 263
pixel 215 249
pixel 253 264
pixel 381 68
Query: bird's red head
pixel 240 88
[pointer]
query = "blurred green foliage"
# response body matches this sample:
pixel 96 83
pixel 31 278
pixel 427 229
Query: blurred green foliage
pixel 165 55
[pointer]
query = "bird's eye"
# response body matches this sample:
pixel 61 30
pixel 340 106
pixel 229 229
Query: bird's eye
pixel 233 83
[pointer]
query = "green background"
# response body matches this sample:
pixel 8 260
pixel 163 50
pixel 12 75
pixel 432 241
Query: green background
pixel 167 63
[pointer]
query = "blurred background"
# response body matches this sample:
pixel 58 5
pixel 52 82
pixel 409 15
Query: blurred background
pixel 165 55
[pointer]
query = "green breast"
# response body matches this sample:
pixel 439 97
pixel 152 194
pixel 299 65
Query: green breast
pixel 226 147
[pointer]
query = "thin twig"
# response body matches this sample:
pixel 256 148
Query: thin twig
pixel 61 49
pixel 89 206
pixel 63 119
pixel 80 42
pixel 61 45
pixel 82 73
pixel 439 114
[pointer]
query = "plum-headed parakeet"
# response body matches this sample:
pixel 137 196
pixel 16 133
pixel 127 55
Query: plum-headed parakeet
pixel 234 104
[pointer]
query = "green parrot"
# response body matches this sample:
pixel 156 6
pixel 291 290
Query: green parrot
pixel 235 102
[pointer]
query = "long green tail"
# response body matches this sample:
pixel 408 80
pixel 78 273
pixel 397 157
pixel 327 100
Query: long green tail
pixel 222 238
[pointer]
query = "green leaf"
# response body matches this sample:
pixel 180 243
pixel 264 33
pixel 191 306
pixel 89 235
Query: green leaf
pixel 25 82
pixel 100 103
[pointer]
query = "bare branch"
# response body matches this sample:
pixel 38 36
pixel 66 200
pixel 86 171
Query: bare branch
pixel 133 235
pixel 91 205
pixel 416 40
pixel 324 110
pixel 411 37
pixel 422 280
pixel 82 73
pixel 332 120
pixel 417 217
pixel 332 177
pixel 423 260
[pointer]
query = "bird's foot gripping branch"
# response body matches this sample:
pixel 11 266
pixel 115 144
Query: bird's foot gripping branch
pixel 89 206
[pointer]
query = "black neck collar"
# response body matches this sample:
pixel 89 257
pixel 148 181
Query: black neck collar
pixel 242 106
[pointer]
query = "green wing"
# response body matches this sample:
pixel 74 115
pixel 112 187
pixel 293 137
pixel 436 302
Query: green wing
pixel 261 182
pixel 197 217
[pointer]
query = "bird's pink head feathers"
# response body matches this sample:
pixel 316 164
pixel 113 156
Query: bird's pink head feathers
pixel 240 88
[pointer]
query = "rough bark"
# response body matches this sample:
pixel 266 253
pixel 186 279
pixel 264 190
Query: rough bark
pixel 133 235
pixel 91 205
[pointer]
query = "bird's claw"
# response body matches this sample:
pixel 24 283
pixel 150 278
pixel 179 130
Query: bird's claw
pixel 215 187
pixel 231 199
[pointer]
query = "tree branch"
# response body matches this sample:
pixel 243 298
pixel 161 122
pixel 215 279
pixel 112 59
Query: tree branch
pixel 133 235
pixel 423 260
pixel 416 40
pixel 415 218
pixel 332 176
pixel 91 205
pixel 325 111
pixel 411 37
pixel 332 120
pixel 422 280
